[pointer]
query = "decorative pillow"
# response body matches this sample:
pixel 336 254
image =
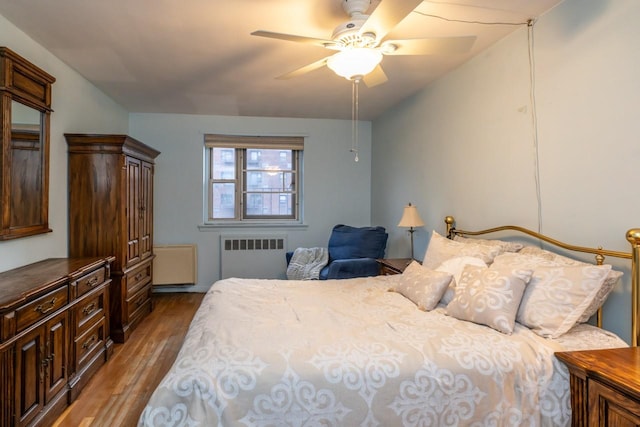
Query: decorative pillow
pixel 505 246
pixel 519 260
pixel 441 249
pixel 455 266
pixel 423 286
pixel 489 296
pixel 602 295
pixel 557 297
pixel 548 255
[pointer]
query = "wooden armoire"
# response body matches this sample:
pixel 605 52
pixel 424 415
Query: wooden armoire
pixel 111 213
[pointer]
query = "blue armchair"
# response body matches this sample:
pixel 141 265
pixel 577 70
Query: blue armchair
pixel 353 252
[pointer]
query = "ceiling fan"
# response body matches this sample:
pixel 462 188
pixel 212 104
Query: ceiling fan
pixel 361 42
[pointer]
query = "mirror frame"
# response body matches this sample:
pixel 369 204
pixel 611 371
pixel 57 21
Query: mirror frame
pixel 23 82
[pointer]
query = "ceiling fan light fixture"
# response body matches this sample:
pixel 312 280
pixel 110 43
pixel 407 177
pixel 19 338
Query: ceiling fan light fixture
pixel 355 62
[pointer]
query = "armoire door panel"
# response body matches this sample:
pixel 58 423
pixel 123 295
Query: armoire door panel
pixel 133 209
pixel 146 200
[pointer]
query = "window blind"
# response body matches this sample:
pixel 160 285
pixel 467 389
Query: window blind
pixel 247 141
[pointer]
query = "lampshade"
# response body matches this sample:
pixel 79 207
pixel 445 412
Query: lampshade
pixel 410 217
pixel 354 62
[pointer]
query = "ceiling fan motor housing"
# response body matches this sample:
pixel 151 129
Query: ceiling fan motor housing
pixel 347 33
pixel 358 7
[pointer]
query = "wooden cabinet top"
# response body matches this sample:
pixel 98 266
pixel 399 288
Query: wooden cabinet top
pixel 618 367
pixel 30 281
pixel 114 144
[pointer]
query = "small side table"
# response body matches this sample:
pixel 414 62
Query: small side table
pixel 389 266
pixel 605 386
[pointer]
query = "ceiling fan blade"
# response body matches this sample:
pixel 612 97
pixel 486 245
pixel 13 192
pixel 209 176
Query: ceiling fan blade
pixel 375 78
pixel 430 46
pixel 303 70
pixel 293 38
pixel 387 15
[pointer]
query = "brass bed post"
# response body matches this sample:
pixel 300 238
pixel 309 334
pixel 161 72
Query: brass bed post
pixel 451 225
pixel 633 236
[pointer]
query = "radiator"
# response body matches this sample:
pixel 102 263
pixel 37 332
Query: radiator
pixel 253 256
pixel 175 265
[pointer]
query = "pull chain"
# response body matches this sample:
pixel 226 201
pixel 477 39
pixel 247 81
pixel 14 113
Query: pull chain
pixel 354 117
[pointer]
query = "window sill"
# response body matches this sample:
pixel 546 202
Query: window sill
pixel 248 224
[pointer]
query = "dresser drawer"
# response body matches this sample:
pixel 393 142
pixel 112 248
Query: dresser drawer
pixel 137 278
pixel 90 281
pixel 88 310
pixel 38 309
pixel 90 343
pixel 139 302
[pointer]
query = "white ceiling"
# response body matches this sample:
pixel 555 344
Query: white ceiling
pixel 198 57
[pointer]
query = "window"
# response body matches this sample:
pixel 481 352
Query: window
pixel 227 156
pixel 253 178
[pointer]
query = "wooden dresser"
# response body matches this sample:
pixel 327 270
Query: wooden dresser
pixel 54 335
pixel 605 386
pixel 111 212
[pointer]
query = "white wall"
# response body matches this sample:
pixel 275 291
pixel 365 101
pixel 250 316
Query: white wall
pixel 336 189
pixel 464 146
pixel 78 107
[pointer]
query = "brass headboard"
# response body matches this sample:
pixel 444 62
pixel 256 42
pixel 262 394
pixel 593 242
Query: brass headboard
pixel 633 236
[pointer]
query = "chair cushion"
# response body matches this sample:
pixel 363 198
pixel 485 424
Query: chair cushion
pixel 348 242
pixel 349 268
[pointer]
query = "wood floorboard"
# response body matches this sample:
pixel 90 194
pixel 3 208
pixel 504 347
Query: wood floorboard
pixel 118 392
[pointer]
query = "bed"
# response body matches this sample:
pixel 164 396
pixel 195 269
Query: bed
pixel 417 349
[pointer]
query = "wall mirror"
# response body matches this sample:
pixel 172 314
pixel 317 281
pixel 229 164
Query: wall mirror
pixel 25 109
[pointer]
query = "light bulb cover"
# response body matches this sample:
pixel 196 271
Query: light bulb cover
pixel 354 62
pixel 410 217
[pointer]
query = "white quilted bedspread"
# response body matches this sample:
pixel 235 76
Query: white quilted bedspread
pixel 350 353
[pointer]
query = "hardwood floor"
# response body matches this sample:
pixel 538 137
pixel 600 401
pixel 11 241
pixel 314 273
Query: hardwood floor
pixel 117 394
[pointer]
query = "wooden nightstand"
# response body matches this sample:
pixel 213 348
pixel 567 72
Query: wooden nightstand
pixel 605 386
pixel 389 266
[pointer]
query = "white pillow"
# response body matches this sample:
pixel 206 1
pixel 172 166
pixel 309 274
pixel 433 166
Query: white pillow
pixel 505 246
pixel 607 286
pixel 489 296
pixel 536 258
pixel 556 297
pixel 455 266
pixel 441 249
pixel 518 260
pixel 423 286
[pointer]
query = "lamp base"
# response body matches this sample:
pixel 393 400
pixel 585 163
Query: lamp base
pixel 411 231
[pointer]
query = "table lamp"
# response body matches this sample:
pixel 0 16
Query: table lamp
pixel 411 218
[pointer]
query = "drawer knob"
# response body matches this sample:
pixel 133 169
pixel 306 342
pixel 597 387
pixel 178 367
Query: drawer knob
pixel 139 276
pixel 46 306
pixel 89 342
pixel 89 309
pixel 93 281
